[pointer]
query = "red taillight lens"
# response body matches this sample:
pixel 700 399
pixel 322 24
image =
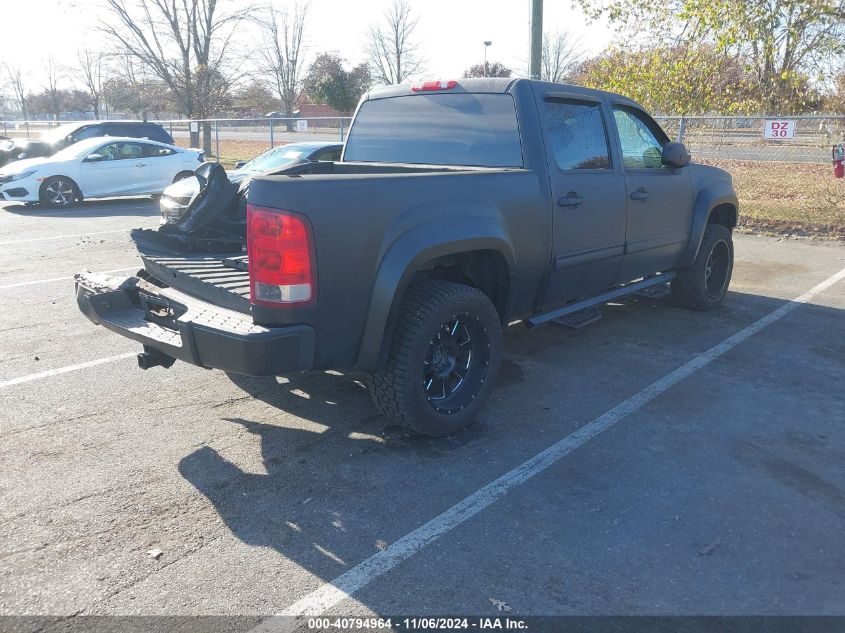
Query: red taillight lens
pixel 282 270
pixel 429 86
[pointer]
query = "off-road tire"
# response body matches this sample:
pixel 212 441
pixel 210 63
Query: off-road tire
pixel 694 288
pixel 401 391
pixel 65 184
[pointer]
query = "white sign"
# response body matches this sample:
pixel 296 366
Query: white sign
pixel 780 129
pixel 195 126
pixel 302 125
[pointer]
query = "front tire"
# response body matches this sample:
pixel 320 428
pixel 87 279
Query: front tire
pixel 443 359
pixel 703 285
pixel 58 192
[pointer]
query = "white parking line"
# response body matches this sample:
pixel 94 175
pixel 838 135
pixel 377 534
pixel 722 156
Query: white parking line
pixel 64 370
pixel 347 584
pixel 59 237
pixel 46 281
pixel 138 266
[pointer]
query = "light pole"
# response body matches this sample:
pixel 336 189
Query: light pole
pixel 486 44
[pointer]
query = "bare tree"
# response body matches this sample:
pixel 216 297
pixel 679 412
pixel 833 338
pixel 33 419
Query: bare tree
pixel 132 87
pixel 53 71
pixel 184 43
pixel 90 72
pixel 17 81
pixel 392 52
pixel 284 51
pixel 560 56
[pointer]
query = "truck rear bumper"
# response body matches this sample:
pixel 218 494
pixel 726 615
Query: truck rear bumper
pixel 185 328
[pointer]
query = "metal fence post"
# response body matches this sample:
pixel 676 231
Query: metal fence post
pixel 271 133
pixel 681 129
pixel 341 130
pixel 217 138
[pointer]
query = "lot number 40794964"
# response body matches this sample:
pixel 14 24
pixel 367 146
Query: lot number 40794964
pixel 779 129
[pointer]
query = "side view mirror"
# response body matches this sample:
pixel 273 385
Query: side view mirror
pixel 93 158
pixel 240 164
pixel 675 155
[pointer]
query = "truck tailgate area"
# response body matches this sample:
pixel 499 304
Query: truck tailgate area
pixel 219 279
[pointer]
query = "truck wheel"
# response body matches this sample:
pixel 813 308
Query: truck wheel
pixel 443 359
pixel 705 283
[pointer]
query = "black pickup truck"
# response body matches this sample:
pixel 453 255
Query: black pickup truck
pixel 457 208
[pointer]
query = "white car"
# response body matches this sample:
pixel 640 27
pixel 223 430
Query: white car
pixel 98 168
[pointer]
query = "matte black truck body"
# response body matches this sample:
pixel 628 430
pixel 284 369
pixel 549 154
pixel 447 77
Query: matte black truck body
pixel 557 213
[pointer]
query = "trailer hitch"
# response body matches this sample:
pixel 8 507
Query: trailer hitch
pixel 151 357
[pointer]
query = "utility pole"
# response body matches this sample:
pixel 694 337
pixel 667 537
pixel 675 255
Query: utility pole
pixel 486 44
pixel 536 39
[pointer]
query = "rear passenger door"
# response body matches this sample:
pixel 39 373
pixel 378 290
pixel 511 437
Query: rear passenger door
pixel 588 192
pixel 660 199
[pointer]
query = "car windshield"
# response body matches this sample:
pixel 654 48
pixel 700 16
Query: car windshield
pixel 277 157
pixel 77 150
pixel 59 133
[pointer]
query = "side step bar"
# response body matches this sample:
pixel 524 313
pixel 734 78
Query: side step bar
pixel 648 282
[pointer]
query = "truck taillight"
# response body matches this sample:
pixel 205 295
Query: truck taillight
pixel 282 268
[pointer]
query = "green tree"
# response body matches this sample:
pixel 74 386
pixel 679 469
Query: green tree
pixel 493 69
pixel 781 42
pixel 673 80
pixel 327 81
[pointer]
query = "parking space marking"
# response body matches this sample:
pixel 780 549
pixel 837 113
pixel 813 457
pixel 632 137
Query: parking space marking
pixel 59 237
pixel 46 281
pixel 63 370
pixel 347 584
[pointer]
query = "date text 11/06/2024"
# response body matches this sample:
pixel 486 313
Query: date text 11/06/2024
pixel 422 624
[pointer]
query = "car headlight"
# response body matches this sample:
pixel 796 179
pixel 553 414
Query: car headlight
pixel 4 178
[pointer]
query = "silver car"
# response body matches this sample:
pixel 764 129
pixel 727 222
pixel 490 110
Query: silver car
pixel 177 197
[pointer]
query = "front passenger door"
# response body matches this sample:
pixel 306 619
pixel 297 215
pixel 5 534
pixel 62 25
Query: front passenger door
pixel 121 171
pixel 660 200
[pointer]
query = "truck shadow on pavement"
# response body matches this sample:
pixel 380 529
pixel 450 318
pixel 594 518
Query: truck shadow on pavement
pixel 333 496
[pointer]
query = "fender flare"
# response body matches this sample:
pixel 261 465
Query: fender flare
pixel 404 257
pixel 707 200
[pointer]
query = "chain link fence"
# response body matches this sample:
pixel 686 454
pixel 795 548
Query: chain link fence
pixel 742 138
pixel 241 139
pixel 707 137
pixel 231 140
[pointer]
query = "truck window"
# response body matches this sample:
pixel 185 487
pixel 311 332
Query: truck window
pixel 577 134
pixel 641 139
pixel 438 129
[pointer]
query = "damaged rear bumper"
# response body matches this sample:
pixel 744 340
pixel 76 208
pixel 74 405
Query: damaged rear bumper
pixel 173 325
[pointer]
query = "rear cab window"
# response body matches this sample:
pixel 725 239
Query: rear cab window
pixel 577 134
pixel 473 130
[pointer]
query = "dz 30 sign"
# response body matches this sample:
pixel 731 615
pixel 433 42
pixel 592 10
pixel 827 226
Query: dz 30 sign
pixel 779 129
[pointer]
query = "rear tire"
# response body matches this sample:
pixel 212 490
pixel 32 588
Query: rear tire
pixel 59 192
pixel 703 285
pixel 443 359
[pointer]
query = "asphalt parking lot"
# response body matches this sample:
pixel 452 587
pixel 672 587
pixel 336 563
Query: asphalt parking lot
pixel 722 492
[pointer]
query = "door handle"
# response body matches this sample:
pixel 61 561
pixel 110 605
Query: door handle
pixel 640 194
pixel 571 199
pixel 140 164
